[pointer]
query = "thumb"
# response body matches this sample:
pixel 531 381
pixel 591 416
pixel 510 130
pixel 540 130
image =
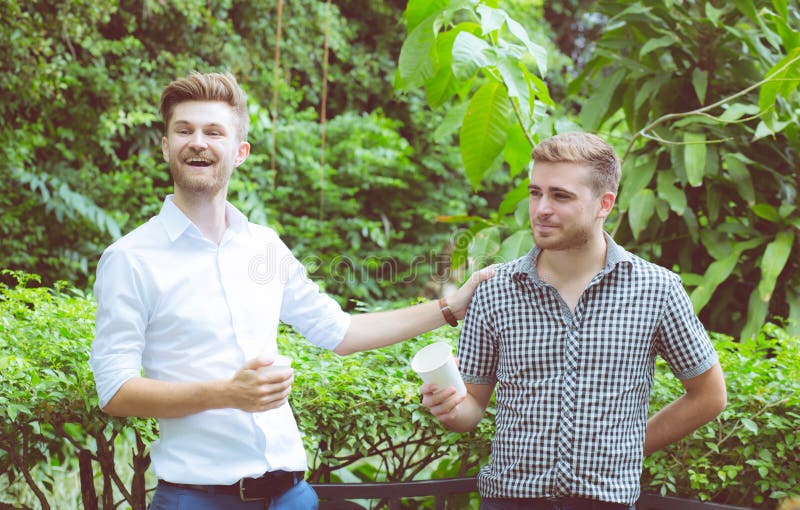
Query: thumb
pixel 256 363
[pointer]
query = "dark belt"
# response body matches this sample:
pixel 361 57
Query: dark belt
pixel 268 486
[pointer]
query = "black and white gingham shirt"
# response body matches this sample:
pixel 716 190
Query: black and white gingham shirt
pixel 573 390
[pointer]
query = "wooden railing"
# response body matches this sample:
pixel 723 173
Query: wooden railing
pixel 339 496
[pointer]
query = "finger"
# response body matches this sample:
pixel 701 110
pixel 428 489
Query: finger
pixel 483 274
pixel 274 374
pixel 256 363
pixel 428 388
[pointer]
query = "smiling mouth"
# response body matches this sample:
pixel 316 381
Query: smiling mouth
pixel 198 162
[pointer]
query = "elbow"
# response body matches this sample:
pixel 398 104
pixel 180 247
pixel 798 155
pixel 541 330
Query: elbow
pixel 112 409
pixel 721 401
pixel 345 348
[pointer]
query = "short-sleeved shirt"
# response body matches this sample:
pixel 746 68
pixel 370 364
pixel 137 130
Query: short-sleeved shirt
pixel 573 388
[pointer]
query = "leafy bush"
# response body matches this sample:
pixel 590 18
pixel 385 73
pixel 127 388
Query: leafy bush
pixel 751 453
pixel 361 416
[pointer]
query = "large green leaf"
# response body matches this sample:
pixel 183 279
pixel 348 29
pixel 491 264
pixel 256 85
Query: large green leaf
pixel 737 111
pixel 717 272
pixel 417 11
pixel 517 151
pixel 756 315
pixel 700 84
pixel 514 79
pixel 641 210
pixel 784 77
pixel 736 165
pixel 483 133
pixel 442 85
pixel 484 246
pixel 516 245
pixel 773 261
pixel 594 110
pixel 694 157
pixel 451 122
pixel 659 42
pixel 417 55
pixel 634 179
pixel 513 197
pixel 470 53
pixel 493 19
pixel 675 197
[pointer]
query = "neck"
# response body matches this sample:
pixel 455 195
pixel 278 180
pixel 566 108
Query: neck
pixel 208 214
pixel 577 263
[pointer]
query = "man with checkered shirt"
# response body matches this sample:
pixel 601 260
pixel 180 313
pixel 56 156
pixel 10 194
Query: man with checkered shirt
pixel 568 336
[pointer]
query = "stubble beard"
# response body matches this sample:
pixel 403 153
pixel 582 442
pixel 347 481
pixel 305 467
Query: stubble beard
pixel 565 241
pixel 200 182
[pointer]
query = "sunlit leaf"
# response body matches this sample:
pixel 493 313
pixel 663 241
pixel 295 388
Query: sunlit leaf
pixel 694 157
pixel 640 211
pixel 484 130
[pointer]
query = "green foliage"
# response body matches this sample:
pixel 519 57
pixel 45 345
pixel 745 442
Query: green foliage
pixel 367 407
pixel 482 63
pixel 749 455
pixel 476 52
pixel 48 404
pixel 710 117
pixel 81 153
pixel 706 120
pixel 361 415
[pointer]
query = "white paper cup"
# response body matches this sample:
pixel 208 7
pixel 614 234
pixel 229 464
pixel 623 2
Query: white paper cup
pixel 281 362
pixel 435 364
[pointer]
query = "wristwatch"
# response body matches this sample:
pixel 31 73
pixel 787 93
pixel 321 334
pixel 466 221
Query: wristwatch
pixel 447 312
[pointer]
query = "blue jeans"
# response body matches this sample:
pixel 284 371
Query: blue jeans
pixel 167 497
pixel 550 504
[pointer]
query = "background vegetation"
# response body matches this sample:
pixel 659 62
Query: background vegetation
pixel 375 116
pixel 389 139
pixel 361 416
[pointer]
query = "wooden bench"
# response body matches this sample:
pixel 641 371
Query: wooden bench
pixel 337 496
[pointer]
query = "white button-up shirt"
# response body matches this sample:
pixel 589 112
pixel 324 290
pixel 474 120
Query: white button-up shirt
pixel 177 307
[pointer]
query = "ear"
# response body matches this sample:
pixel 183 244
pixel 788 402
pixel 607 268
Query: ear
pixel 241 154
pixel 165 148
pixel 607 201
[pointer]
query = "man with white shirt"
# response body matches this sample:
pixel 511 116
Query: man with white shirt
pixel 188 311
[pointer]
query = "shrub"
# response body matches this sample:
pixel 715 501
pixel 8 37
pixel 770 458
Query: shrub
pixel 749 455
pixel 361 416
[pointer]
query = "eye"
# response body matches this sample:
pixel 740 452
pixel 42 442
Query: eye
pixel 535 193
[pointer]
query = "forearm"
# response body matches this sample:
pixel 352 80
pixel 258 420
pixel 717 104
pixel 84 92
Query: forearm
pixel 150 398
pixel 704 400
pixel 379 329
pixel 464 417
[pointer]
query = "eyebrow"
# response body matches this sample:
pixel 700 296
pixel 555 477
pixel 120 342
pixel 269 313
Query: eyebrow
pixel 211 125
pixel 554 189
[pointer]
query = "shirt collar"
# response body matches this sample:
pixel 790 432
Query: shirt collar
pixel 176 222
pixel 615 255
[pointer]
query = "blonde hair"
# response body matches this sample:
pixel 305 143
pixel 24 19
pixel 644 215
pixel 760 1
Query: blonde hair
pixel 585 149
pixel 207 87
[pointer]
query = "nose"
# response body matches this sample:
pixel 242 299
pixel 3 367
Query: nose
pixel 198 140
pixel 540 207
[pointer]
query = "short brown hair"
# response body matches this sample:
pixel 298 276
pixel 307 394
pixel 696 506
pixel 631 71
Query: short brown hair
pixel 586 149
pixel 207 87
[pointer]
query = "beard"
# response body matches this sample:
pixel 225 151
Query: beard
pixel 573 239
pixel 208 180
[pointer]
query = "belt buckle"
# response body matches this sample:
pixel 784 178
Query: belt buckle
pixel 243 492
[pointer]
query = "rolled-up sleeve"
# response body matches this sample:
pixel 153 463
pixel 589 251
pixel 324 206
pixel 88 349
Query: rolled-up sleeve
pixel 317 316
pixel 120 323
